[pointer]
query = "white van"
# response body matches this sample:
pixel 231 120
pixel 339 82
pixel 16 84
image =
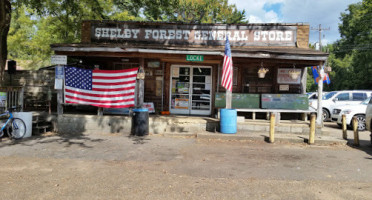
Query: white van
pixel 338 98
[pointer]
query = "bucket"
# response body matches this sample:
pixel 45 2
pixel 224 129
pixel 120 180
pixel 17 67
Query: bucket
pixel 27 118
pixel 228 121
pixel 140 122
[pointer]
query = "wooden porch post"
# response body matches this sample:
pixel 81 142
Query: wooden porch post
pixel 141 84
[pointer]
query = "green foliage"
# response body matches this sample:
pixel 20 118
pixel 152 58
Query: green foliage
pixel 351 58
pixel 38 23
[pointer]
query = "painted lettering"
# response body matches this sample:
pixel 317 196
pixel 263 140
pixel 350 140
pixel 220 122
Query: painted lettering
pixel 279 36
pixel 220 35
pixel 244 38
pixel 272 35
pixel 212 35
pixel 163 34
pixel 186 34
pixel 204 35
pixel 97 33
pixel 105 32
pixel 287 35
pixel 197 35
pixel 179 34
pixel 171 35
pixel 113 33
pixel 135 32
pixel 155 34
pixel 148 32
pixel 119 35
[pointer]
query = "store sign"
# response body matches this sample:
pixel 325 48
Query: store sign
pixel 59 72
pixel 58 60
pixel 199 58
pixel 193 34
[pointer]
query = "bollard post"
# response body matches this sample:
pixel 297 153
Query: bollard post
pixel 356 133
pixel 272 127
pixel 344 129
pixel 312 129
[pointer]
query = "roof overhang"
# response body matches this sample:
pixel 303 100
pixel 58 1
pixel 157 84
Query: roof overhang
pixel 260 53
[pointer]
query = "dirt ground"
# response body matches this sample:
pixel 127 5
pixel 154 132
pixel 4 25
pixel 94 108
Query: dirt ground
pixel 155 167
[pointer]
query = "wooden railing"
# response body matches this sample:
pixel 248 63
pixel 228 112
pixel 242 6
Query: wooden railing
pixel 14 97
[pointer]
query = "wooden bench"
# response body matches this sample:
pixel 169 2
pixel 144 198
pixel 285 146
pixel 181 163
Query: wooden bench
pixel 268 111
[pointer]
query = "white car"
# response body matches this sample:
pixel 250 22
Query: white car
pixel 337 98
pixel 369 117
pixel 350 111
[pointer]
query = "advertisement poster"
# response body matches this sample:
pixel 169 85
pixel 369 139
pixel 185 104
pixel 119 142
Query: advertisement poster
pixel 182 104
pixel 58 84
pixel 2 99
pixel 284 78
pixel 176 72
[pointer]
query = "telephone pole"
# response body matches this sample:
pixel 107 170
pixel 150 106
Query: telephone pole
pixel 320 29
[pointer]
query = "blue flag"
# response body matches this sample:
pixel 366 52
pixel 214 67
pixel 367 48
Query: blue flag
pixel 316 76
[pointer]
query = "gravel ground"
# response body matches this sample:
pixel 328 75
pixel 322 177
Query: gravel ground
pixel 154 167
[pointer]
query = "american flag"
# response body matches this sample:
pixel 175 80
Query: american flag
pixel 227 70
pixel 101 88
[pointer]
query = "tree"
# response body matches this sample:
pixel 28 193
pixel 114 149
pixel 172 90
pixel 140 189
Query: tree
pixel 5 16
pixel 38 23
pixel 354 49
pixel 189 11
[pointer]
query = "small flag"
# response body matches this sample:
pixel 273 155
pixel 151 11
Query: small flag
pixel 316 76
pixel 101 88
pixel 227 69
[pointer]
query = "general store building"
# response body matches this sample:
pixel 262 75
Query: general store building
pixel 182 62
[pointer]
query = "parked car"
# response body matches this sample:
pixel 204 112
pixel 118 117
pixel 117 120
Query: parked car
pixel 337 98
pixel 314 95
pixel 350 111
pixel 369 117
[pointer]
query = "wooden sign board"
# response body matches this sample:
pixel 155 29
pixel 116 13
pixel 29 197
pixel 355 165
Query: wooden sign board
pixel 192 34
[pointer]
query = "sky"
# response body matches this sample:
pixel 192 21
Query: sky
pixel 313 12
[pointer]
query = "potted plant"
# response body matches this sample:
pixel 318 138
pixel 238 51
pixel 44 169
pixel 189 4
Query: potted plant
pixel 293 73
pixel 262 72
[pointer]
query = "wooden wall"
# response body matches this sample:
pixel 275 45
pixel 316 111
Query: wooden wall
pixel 36 84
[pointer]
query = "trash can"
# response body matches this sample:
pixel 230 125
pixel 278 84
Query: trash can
pixel 27 118
pixel 140 122
pixel 228 121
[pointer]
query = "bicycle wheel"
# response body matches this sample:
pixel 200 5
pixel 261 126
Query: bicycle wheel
pixel 17 128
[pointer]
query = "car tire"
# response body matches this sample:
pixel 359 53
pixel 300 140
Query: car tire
pixel 326 114
pixel 361 122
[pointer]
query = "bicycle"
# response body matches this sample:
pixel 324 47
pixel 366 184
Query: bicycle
pixel 15 127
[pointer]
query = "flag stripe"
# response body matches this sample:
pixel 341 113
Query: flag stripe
pixel 71 92
pixel 113 77
pixel 227 72
pixel 118 82
pixel 121 105
pixel 100 100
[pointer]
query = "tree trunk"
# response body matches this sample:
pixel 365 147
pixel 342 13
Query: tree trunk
pixel 5 15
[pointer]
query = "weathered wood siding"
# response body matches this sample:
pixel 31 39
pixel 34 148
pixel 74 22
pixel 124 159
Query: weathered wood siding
pixel 303 36
pixel 36 86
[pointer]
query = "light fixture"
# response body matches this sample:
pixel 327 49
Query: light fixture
pixel 294 73
pixel 262 71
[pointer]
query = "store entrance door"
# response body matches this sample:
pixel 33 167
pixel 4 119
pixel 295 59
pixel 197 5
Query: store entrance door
pixel 190 90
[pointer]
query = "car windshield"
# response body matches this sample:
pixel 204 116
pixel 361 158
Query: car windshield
pixel 329 95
